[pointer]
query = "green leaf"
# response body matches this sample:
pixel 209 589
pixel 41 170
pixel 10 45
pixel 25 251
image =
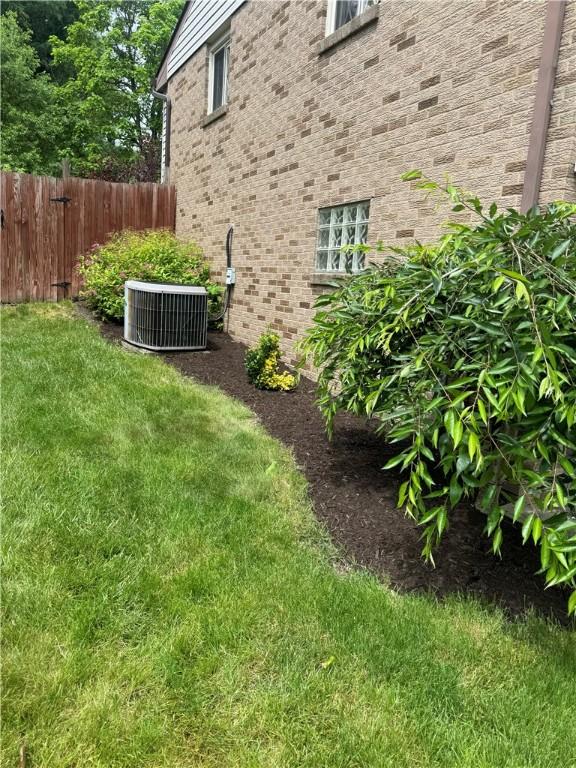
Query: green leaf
pixel 441 521
pixel 519 507
pixel 514 275
pixel 497 541
pixel 462 463
pixel 526 528
pixel 497 283
pixel 473 445
pixel 522 292
pixel 411 175
pixel 457 432
pixel 455 491
pixel 402 493
pixel 544 388
pixel 560 249
pixel 482 410
pixel 567 466
pixel 536 530
pixel 394 461
pixel 544 553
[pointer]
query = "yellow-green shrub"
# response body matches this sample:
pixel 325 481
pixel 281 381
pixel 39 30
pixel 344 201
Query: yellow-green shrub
pixel 262 363
pixel 156 256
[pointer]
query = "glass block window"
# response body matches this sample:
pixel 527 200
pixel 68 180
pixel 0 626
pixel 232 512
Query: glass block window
pixel 218 76
pixel 339 226
pixel 340 12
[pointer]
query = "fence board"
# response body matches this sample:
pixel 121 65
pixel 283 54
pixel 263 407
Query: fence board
pixel 53 226
pixel 58 262
pixel 42 240
pixel 6 204
pixel 22 237
pixel 38 277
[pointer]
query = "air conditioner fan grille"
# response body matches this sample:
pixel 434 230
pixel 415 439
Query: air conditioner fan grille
pixel 162 320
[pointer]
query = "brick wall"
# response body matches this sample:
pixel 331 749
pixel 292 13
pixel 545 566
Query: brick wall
pixel 443 86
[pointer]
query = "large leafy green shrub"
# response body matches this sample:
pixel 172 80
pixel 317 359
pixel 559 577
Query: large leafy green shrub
pixel 465 351
pixel 262 365
pixel 157 256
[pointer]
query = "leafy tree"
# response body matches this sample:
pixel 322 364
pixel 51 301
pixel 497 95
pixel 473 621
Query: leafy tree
pixel 43 20
pixel 113 48
pixel 465 351
pixel 29 122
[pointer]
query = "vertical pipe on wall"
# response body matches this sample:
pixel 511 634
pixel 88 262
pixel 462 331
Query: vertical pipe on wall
pixel 543 102
pixel 166 128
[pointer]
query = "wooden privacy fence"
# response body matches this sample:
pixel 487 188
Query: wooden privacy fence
pixel 47 223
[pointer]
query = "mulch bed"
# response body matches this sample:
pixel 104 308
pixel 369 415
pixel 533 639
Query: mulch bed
pixel 356 500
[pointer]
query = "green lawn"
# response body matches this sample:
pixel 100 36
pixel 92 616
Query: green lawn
pixel 169 599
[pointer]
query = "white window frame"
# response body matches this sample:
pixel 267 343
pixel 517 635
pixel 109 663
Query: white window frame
pixel 222 42
pixel 331 14
pixel 358 222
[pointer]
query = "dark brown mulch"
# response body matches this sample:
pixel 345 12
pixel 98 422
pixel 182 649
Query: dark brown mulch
pixel 355 499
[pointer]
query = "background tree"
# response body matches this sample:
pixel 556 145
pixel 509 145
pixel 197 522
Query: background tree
pixel 76 83
pixel 29 113
pixel 43 20
pixel 114 48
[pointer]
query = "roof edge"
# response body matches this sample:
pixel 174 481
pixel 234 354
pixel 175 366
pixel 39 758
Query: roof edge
pixel 158 86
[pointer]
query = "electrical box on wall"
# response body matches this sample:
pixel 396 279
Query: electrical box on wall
pixel 230 276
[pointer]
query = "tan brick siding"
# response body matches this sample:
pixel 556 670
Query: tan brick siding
pixel 444 86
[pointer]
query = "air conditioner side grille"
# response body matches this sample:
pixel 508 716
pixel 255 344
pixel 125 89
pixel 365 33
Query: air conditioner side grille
pixel 164 317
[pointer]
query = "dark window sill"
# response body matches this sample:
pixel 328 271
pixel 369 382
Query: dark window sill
pixel 216 115
pixel 369 16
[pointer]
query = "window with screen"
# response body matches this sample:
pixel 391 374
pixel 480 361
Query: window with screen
pixel 218 80
pixel 340 12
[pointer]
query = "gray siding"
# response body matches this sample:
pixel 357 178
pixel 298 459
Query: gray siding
pixel 203 18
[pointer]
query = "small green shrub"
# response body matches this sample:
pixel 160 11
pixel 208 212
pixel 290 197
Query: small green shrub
pixel 465 351
pixel 262 363
pixel 156 256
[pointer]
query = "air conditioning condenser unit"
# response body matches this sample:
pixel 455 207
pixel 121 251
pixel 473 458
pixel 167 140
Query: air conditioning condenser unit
pixel 165 317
